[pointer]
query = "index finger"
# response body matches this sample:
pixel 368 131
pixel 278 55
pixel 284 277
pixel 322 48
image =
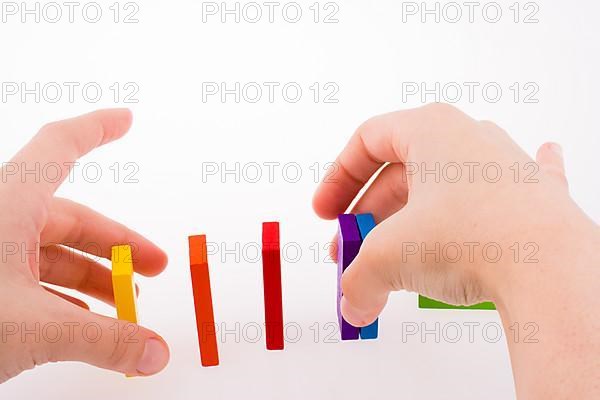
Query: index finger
pixel 386 138
pixel 57 146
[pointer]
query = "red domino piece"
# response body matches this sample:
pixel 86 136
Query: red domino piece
pixel 272 285
pixel 205 320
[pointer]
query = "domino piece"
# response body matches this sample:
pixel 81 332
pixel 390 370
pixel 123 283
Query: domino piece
pixel 123 285
pixel 272 286
pixel 426 302
pixel 366 223
pixel 205 320
pixel 348 245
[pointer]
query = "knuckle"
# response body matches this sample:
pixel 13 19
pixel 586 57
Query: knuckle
pixel 50 127
pixel 365 127
pixel 51 133
pixel 442 109
pixel 37 356
pixel 120 355
pixel 557 173
pixel 491 127
pixel 441 121
pixel 6 375
pixel 65 133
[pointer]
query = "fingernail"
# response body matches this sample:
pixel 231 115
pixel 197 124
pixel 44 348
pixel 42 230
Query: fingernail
pixel 155 357
pixel 556 148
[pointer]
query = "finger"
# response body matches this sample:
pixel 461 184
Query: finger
pixel 366 284
pixel 550 159
pixel 108 343
pixel 386 195
pixel 64 267
pixel 82 228
pixel 333 248
pixel 392 259
pixel 70 299
pixel 54 150
pixel 377 270
pixel 394 137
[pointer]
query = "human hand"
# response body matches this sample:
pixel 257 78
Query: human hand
pixel 38 232
pixel 462 209
pixel 436 229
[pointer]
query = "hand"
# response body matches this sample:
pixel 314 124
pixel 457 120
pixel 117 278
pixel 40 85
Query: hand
pixel 41 325
pixel 440 233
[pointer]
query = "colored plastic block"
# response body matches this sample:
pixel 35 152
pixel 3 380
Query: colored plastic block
pixel 272 286
pixel 123 285
pixel 348 246
pixel 205 320
pixel 426 302
pixel 366 223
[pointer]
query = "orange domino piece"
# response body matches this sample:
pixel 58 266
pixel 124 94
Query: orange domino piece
pixel 205 320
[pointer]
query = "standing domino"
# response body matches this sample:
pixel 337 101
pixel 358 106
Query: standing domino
pixel 272 285
pixel 205 319
pixel 123 285
pixel 348 245
pixel 366 223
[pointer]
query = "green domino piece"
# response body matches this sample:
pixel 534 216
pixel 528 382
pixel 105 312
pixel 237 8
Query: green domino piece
pixel 426 302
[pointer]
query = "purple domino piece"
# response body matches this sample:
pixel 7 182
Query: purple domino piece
pixel 349 242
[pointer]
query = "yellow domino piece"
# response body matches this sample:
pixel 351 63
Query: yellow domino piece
pixel 123 285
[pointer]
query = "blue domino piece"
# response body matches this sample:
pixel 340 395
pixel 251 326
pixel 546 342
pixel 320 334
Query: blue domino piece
pixel 366 223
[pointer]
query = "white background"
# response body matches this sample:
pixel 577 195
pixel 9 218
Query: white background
pixel 368 54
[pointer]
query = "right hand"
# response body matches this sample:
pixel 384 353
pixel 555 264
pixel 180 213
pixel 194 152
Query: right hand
pixel 439 235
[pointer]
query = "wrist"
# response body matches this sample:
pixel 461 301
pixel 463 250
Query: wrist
pixel 547 316
pixel 561 256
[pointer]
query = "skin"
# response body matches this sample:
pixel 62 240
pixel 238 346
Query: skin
pixel 43 227
pixel 556 290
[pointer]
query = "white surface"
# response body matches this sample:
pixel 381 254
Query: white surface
pixel 368 54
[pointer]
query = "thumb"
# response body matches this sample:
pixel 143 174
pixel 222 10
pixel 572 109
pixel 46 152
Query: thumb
pixel 376 271
pixel 108 343
pixel 550 159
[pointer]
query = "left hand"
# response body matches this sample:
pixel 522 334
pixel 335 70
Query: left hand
pixel 41 325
